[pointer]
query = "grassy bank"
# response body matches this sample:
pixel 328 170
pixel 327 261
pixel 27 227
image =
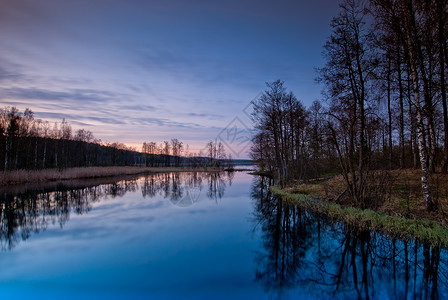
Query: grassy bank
pixel 396 226
pixel 396 193
pixel 28 176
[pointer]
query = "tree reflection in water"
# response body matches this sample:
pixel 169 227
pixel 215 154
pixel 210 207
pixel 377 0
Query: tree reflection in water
pixel 183 189
pixel 310 255
pixel 32 210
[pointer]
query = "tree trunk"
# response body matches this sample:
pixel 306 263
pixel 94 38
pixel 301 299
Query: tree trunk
pixel 35 154
pixel 430 206
pixel 6 151
pixel 442 50
pixel 16 157
pixel 431 136
pixel 352 154
pixel 400 90
pixel 45 154
pixel 56 149
pixel 277 156
pixel 413 141
pixel 389 113
pixel 363 155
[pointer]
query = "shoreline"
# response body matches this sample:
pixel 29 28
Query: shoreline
pixel 396 226
pixel 17 177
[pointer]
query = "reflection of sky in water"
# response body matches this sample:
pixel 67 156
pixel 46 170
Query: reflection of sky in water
pixel 141 246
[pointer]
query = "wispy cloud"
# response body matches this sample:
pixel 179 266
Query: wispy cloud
pixel 87 95
pixel 138 107
pixel 210 116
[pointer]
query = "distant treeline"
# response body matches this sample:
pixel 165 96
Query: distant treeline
pixel 29 143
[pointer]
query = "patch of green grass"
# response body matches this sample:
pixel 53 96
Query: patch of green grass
pixel 330 174
pixel 301 191
pixel 314 182
pixel 403 204
pixel 404 188
pixel 396 226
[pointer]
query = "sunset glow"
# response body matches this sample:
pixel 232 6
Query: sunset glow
pixel 145 70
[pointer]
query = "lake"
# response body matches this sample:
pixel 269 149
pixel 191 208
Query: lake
pixel 197 236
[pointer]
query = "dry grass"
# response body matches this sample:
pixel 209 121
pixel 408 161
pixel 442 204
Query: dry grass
pixel 326 190
pixel 399 193
pixel 366 219
pixel 27 176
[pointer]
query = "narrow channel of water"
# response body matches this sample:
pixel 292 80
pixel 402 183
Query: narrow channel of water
pixel 197 235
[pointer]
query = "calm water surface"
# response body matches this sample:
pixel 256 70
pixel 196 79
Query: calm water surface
pixel 199 236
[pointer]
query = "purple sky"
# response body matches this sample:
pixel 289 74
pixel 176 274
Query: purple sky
pixel 134 70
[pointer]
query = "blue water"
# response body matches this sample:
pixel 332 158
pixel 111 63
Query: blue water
pixel 197 236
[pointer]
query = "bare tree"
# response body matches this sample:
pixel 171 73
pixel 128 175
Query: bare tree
pixel 413 47
pixel 346 76
pixel 166 152
pixel 177 147
pixel 280 120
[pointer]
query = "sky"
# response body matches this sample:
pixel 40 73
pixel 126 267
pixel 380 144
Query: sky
pixel 133 71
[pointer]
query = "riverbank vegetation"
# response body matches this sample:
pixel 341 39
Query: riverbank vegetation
pixel 384 111
pixel 399 193
pixel 27 176
pixel 370 220
pixel 374 152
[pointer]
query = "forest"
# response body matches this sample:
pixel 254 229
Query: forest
pixel 384 103
pixel 27 143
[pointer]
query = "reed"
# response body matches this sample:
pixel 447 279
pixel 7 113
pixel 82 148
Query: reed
pixel 27 176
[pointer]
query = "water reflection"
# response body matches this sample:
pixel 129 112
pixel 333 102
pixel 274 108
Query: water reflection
pixel 33 209
pixel 183 189
pixel 309 255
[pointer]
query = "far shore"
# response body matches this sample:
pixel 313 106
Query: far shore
pixel 15 177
